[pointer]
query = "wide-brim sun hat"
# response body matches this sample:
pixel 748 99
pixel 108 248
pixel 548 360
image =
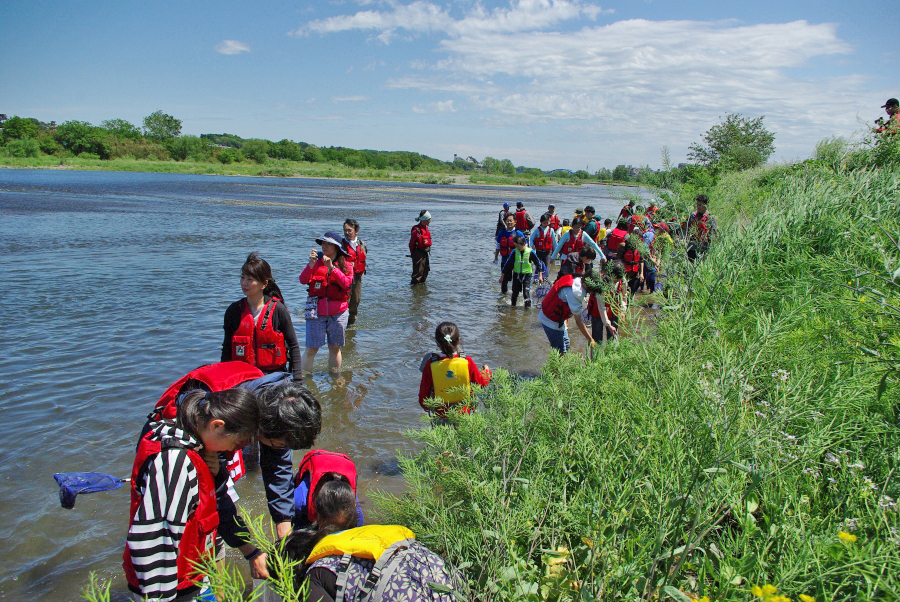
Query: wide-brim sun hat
pixel 335 239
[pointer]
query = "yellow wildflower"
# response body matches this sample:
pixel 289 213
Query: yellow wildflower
pixel 704 599
pixel 756 591
pixel 846 537
pixel 769 590
pixel 805 598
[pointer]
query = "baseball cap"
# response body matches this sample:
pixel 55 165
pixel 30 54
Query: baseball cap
pixel 891 102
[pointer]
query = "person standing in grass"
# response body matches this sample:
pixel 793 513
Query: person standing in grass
pixel 356 253
pixel 448 377
pixel 565 300
pixel 701 229
pixel 892 125
pixel 519 268
pixel 420 247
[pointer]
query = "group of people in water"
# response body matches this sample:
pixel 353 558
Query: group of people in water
pixel 189 455
pixel 602 265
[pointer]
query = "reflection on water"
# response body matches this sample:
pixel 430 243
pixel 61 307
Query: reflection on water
pixel 116 284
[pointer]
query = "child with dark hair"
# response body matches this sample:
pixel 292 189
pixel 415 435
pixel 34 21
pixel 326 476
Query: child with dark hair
pixel 447 377
pixel 176 472
pixel 607 302
pixel 319 467
pixel 519 269
pixel 258 328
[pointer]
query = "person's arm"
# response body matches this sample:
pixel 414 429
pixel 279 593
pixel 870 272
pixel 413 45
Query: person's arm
pixel 534 233
pixel 497 245
pixel 562 240
pixel 342 277
pixel 507 267
pixel 170 496
pixel 538 264
pixel 231 323
pixel 277 466
pixel 479 377
pixel 281 322
pixel 581 327
pixel 232 528
pixel 307 272
pixel 593 244
pixel 426 386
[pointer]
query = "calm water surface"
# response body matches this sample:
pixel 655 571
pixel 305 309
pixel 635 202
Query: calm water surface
pixel 116 284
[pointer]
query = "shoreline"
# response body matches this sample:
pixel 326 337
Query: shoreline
pixel 283 169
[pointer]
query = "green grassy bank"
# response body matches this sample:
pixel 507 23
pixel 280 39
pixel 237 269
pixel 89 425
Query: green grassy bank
pixel 752 440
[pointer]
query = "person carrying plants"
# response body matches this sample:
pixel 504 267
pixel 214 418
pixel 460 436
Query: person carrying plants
pixel 632 259
pixel 566 299
pixel 616 238
pixel 701 229
pixel 419 248
pixel 607 301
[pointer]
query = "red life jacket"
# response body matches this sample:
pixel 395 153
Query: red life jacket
pixel 506 242
pixel 318 462
pixel 521 222
pixel 573 246
pixel 321 286
pixel 544 240
pixel 616 238
pixel 199 536
pixel 554 221
pixel 217 377
pixel 632 260
pixel 555 308
pixel 257 342
pixel 422 240
pixel 625 212
pixel 593 306
pixel 356 256
pixel 702 230
pixel 637 220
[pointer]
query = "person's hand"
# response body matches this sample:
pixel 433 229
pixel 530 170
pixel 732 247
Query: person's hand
pixel 501 280
pixel 327 261
pixel 496 260
pixel 283 529
pixel 313 255
pixel 258 568
pixel 614 331
pixel 212 461
pixel 428 249
pixel 540 277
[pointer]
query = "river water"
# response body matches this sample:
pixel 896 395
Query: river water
pixel 116 285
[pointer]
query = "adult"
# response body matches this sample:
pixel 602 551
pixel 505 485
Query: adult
pixel 356 253
pixel 504 247
pixel 616 238
pixel 329 275
pixel 565 300
pixel 501 218
pixel 543 240
pixel 591 224
pixel 627 210
pixel 554 218
pixel 574 240
pixel 892 108
pixel 631 258
pixel 258 328
pixel 524 219
pixel 420 247
pixel 701 229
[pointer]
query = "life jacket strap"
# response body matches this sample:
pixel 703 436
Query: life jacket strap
pixel 384 567
pixel 343 575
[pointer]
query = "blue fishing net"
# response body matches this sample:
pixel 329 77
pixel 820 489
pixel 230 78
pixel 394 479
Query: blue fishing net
pixel 73 483
pixel 541 291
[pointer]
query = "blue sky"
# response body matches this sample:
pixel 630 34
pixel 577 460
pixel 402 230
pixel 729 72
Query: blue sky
pixel 545 83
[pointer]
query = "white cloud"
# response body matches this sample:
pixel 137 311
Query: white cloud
pixel 426 17
pixel 445 106
pixel 231 47
pixel 349 98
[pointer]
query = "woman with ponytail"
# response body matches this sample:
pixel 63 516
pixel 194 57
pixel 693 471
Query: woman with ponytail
pixel 447 377
pixel 258 328
pixel 173 518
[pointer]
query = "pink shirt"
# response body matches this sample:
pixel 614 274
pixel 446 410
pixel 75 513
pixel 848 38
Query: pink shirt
pixel 343 278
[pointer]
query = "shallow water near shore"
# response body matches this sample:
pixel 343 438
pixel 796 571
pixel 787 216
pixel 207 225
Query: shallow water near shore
pixel 116 285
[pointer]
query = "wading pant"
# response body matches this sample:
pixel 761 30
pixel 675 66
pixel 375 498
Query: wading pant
pixel 355 296
pixel 420 266
pixel 545 257
pixel 634 282
pixel 521 282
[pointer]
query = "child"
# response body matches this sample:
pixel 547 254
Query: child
pixel 341 563
pixel 542 240
pixel 505 246
pixel 567 225
pixel 518 268
pixel 317 468
pixel 605 303
pixel 448 377
pixel 173 518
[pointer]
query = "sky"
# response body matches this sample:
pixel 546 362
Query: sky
pixel 545 83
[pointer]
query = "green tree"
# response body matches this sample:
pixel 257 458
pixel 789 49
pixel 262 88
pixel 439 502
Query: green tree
pixel 736 143
pixel 490 165
pixel 286 149
pixel 506 166
pixel 190 147
pixel 621 174
pixel 24 147
pixel 582 174
pixel 313 154
pixel 18 128
pixel 161 127
pixel 604 174
pixel 121 128
pixel 256 149
pixel 82 137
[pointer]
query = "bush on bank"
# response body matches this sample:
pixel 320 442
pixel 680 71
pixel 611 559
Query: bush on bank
pixel 753 440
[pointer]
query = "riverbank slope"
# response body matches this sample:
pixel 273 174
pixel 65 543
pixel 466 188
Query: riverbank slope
pixel 752 441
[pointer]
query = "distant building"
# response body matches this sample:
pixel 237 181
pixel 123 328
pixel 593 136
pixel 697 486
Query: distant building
pixel 471 160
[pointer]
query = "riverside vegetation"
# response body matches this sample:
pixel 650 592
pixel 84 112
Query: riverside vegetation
pixel 746 449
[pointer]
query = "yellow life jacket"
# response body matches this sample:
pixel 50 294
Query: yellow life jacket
pixel 451 379
pixel 363 542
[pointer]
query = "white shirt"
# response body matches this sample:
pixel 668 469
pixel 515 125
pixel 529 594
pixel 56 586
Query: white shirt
pixel 574 297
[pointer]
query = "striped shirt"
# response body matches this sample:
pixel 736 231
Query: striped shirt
pixel 169 493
